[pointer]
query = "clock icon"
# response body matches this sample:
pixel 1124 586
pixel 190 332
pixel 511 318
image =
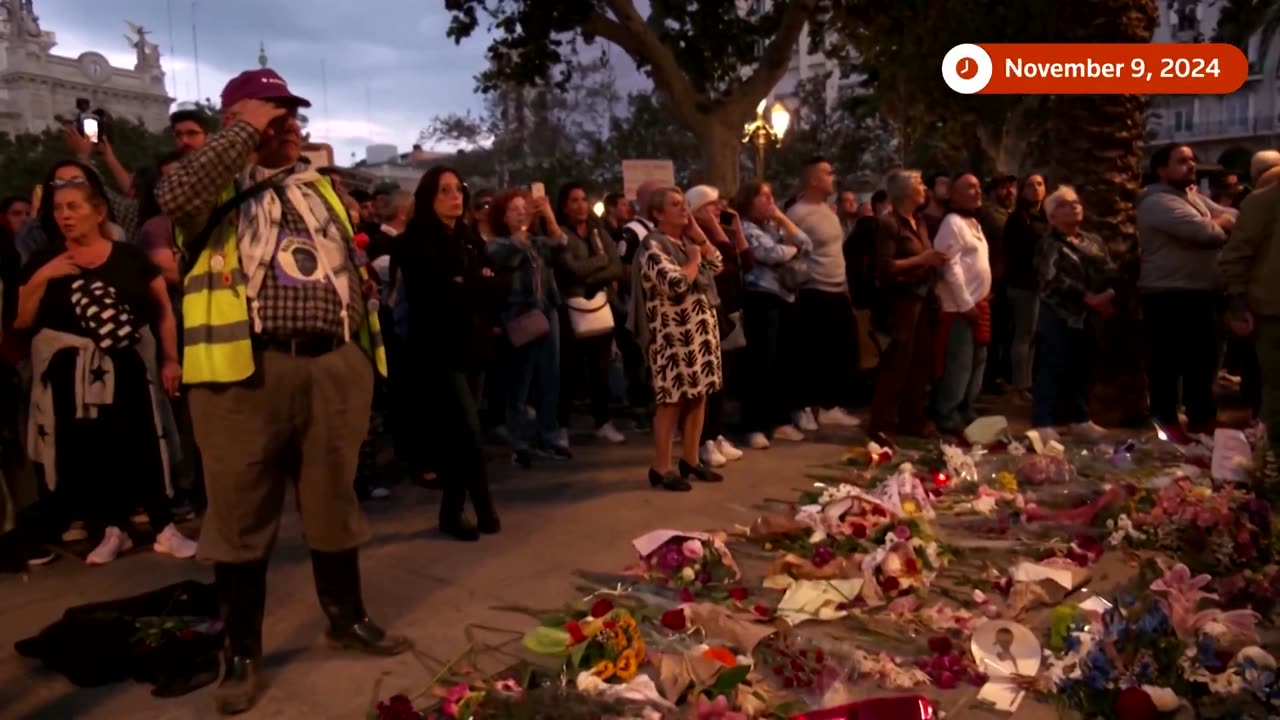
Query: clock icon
pixel 967 68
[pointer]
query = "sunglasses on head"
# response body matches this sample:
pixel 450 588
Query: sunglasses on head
pixel 61 182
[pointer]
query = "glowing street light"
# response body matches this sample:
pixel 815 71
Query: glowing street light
pixel 761 131
pixel 598 208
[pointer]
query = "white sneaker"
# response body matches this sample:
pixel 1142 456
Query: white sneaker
pixel 804 421
pixel 171 541
pixel 114 542
pixel 788 432
pixel 1089 430
pixel 727 449
pixel 1048 434
pixel 75 532
pixel 711 454
pixel 562 438
pixel 837 417
pixel 757 441
pixel 609 433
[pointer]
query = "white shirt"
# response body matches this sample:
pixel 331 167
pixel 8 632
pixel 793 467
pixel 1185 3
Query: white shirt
pixel 966 278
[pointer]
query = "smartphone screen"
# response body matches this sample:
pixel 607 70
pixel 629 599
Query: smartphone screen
pixel 538 190
pixel 726 218
pixel 90 125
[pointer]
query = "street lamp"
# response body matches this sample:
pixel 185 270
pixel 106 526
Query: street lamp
pixel 762 131
pixel 598 208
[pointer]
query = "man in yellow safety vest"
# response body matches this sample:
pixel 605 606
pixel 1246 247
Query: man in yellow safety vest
pixel 280 345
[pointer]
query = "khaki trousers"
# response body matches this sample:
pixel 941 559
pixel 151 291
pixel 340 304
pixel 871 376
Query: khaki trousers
pixel 300 420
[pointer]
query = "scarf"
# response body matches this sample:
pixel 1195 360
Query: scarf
pixel 259 230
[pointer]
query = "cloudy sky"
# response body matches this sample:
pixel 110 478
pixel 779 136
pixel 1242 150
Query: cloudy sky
pixel 387 65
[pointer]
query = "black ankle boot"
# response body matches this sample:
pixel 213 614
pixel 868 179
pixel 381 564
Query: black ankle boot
pixel 337 577
pixel 242 588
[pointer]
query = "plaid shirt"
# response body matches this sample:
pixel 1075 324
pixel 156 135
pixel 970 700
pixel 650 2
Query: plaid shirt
pixel 189 194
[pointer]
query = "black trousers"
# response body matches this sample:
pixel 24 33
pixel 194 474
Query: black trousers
pixel 455 439
pixel 1184 338
pixel 397 399
pixel 109 465
pixel 771 392
pixel 584 366
pixel 830 361
pixel 999 353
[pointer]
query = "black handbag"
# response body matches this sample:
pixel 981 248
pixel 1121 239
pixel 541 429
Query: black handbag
pixel 101 311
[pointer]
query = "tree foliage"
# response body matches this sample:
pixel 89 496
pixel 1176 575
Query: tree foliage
pixel 711 61
pixel 26 158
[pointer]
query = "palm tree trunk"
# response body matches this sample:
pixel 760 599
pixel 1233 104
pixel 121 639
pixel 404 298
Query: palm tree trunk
pixel 1097 147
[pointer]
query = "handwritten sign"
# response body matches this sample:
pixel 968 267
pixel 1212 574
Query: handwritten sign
pixel 637 172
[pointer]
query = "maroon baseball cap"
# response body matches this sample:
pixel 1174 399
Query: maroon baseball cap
pixel 262 84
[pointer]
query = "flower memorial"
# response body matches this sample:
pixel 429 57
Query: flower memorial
pixel 1135 584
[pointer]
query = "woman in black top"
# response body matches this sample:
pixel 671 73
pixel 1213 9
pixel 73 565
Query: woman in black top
pixel 89 301
pixel 444 276
pixel 1022 233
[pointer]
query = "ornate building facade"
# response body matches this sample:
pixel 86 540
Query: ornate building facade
pixel 36 85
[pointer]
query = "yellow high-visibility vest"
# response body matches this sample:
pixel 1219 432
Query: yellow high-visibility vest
pixel 216 332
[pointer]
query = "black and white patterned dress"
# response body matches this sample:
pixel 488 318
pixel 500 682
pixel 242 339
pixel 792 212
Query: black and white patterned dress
pixel 684 337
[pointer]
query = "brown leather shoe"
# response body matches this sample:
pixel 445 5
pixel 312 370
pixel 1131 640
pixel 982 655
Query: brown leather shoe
pixel 240 687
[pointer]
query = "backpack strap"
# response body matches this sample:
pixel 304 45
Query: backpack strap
pixel 198 244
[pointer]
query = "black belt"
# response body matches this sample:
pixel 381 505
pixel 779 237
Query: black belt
pixel 299 345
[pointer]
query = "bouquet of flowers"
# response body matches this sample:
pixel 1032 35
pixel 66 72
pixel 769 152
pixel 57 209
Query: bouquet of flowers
pixel 685 559
pixel 606 642
pixel 1211 529
pixel 843 512
pixel 906 559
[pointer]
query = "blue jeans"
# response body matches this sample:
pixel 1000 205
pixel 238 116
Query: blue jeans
pixel 1061 378
pixel 534 368
pixel 965 363
pixel 1026 307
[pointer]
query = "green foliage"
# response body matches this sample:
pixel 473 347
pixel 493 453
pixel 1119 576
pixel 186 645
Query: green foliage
pixel 27 157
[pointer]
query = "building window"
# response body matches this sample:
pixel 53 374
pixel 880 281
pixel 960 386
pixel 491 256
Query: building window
pixel 1182 120
pixel 1235 112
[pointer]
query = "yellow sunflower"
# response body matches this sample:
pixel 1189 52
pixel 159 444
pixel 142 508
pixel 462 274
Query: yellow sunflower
pixel 616 640
pixel 628 665
pixel 638 647
pixel 627 622
pixel 605 669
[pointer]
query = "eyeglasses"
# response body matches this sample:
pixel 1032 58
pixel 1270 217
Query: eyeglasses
pixel 63 182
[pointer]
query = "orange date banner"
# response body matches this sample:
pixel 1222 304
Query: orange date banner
pixel 1080 69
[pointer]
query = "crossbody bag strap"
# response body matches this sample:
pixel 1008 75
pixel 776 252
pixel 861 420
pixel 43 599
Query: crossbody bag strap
pixel 192 250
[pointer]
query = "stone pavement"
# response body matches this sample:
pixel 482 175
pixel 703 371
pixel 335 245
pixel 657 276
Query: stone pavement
pixel 557 519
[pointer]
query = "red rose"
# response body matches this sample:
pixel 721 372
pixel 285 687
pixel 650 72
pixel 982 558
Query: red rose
pixel 1134 703
pixel 858 530
pixel 762 611
pixel 575 632
pixel 601 607
pixel 738 594
pixel 940 645
pixel 675 620
pixel 610 625
pixel 889 583
pixel 686 596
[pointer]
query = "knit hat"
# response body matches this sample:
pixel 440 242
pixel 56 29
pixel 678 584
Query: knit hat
pixel 700 195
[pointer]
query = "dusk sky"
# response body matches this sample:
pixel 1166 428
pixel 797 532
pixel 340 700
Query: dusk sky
pixel 387 65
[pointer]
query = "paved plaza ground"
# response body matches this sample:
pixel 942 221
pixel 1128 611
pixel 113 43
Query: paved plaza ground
pixel 557 519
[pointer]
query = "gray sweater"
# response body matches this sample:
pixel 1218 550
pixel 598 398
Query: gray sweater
pixel 826 262
pixel 1179 240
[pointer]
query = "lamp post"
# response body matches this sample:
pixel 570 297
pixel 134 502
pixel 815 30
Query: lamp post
pixel 762 131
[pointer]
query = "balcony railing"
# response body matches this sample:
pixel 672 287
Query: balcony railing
pixel 1217 129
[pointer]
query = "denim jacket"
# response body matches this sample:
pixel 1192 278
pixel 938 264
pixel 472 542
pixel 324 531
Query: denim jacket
pixel 770 252
pixel 532 267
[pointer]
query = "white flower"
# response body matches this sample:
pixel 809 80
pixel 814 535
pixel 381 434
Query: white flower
pixel 688 574
pixel 1165 699
pixel 1016 449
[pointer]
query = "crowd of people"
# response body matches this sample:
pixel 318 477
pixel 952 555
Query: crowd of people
pixel 142 322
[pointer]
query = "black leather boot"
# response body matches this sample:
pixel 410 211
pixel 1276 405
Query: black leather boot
pixel 337 577
pixel 242 588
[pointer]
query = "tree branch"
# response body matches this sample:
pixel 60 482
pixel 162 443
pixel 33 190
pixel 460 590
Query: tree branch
pixel 773 64
pixel 628 30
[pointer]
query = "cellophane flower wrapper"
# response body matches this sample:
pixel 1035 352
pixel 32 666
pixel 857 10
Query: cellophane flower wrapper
pixel 685 559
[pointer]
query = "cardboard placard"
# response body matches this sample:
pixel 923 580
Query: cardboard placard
pixel 637 172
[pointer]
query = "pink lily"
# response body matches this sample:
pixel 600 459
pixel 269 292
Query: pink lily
pixel 1183 589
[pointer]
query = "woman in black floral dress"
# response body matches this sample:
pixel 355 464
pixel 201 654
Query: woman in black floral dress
pixel 675 268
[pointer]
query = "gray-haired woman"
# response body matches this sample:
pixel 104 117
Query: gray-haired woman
pixel 675 322
pixel 907 272
pixel 1076 274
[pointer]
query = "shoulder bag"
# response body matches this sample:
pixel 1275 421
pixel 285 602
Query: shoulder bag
pixel 531 324
pixel 591 317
